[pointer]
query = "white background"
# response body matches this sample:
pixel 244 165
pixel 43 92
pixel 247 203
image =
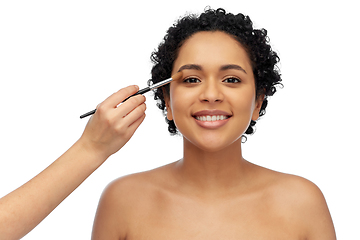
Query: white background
pixel 59 59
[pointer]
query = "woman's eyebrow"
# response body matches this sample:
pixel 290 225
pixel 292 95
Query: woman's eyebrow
pixel 190 66
pixel 232 66
pixel 222 68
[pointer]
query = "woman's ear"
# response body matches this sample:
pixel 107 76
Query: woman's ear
pixel 258 103
pixel 167 105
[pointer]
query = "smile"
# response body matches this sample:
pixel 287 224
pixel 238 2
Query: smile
pixel 213 118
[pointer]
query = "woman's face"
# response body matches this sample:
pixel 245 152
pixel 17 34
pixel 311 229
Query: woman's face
pixel 214 102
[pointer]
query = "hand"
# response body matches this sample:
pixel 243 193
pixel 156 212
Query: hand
pixel 109 129
pixel 106 132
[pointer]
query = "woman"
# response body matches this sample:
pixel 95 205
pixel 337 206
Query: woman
pixel 229 70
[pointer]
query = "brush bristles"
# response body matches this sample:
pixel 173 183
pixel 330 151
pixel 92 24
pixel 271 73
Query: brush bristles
pixel 177 76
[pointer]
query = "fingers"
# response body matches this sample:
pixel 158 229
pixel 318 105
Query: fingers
pixel 135 113
pixel 125 108
pixel 126 113
pixel 115 99
pixel 136 123
pixel 109 108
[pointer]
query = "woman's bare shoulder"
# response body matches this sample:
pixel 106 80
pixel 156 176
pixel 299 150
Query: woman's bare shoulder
pixel 131 188
pixel 288 184
pixel 124 201
pixel 289 189
pixel 300 200
pixel 142 180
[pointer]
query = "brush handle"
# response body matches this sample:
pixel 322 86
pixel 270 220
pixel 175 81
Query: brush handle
pixel 144 90
pixel 88 114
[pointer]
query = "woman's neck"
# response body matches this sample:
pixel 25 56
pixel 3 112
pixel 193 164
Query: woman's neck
pixel 212 172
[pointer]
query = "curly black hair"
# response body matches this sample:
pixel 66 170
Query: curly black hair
pixel 240 27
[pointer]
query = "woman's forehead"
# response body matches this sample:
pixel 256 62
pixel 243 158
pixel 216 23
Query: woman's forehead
pixel 212 49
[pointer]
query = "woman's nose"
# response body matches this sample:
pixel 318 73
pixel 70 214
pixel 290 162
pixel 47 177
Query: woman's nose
pixel 211 92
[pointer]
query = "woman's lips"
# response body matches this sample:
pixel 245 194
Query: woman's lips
pixel 211 112
pixel 212 124
pixel 211 119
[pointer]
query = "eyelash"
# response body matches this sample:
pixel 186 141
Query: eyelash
pixel 186 80
pixel 235 80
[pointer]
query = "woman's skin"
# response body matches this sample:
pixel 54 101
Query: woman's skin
pixel 106 132
pixel 212 192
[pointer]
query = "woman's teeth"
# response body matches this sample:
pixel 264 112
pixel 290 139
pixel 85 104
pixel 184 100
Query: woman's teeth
pixel 211 118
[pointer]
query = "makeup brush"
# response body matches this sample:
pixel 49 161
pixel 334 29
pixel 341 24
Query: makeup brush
pixel 175 77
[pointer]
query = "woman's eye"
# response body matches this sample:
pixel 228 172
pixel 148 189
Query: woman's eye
pixel 232 80
pixel 191 80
